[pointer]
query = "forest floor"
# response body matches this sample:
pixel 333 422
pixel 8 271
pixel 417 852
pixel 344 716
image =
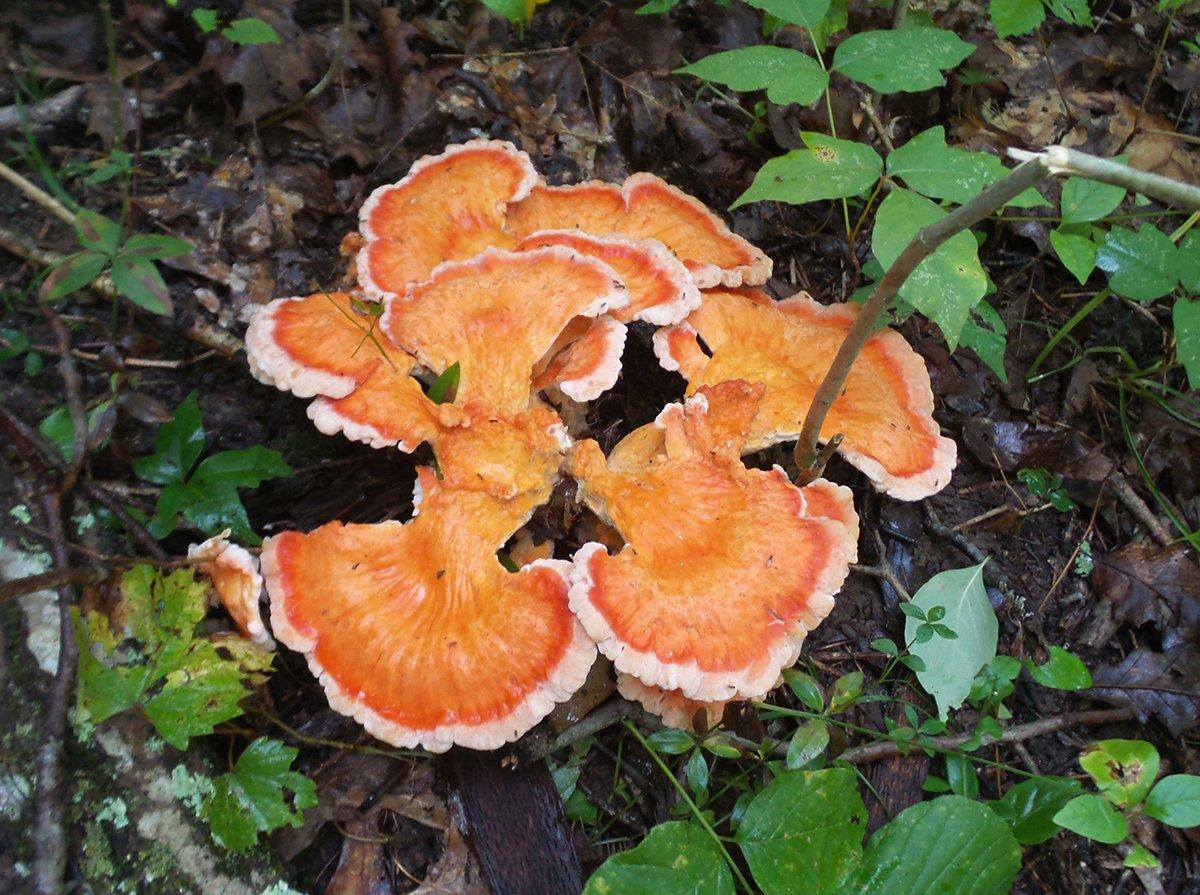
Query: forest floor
pixel 238 151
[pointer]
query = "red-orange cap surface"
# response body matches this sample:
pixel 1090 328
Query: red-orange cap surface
pixel 449 207
pixel 675 709
pixel 647 207
pixel 322 345
pixel 497 315
pixel 589 366
pixel 722 575
pixel 885 412
pixel 661 291
pixel 234 576
pixel 417 631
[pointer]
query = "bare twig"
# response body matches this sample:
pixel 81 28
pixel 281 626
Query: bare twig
pixel 1132 501
pixel 73 384
pixel 601 719
pixel 10 590
pixel 38 195
pixel 45 112
pixel 1061 160
pixel 1015 734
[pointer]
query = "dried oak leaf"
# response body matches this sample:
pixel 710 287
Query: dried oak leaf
pixel 1164 685
pixel 1146 584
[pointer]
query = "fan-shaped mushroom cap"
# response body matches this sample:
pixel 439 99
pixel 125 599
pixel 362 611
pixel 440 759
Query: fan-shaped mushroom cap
pixel 722 575
pixel 505 456
pixel 661 291
pixel 885 411
pixel 497 315
pixel 234 576
pixel 449 207
pixel 321 345
pixel 589 366
pixel 675 709
pixel 646 207
pixel 417 632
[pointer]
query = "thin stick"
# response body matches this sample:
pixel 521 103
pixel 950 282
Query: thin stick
pixel 1061 160
pixel 38 195
pixel 924 244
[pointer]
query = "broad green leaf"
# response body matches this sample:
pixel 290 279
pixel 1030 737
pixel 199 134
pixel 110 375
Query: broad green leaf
pixel 909 60
pixel 948 846
pixel 1094 818
pixel 1186 316
pixel 1073 12
pixel 1123 770
pixel 72 274
pixel 196 698
pixel 58 428
pixel 807 690
pixel 846 691
pixel 1030 806
pixel 205 19
pixel 1063 670
pixel 677 856
pixel 808 742
pixel 212 507
pixel 444 389
pixel 835 20
pixel 961 776
pixel 1140 856
pixel 1077 253
pixel 1141 264
pixel 802 835
pixel 926 164
pixel 1012 18
pixel 177 446
pixel 984 333
pixel 1086 200
pixel 828 168
pixel 251 798
pixel 805 13
pixel 1176 800
pixel 97 232
pixel 153 246
pixel 697 772
pixel 951 665
pixel 139 281
pixel 946 285
pixel 1188 259
pixel 788 76
pixel 655 7
pixel 245 468
pixel 249 32
pixel 670 742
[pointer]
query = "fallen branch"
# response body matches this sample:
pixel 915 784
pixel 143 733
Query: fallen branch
pixel 19 587
pixel 38 195
pixel 45 112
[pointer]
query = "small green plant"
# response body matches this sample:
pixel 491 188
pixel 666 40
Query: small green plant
pixel 13 344
pixel 206 495
pixel 1124 772
pixel 186 684
pixel 1049 487
pixel 128 260
pixel 245 31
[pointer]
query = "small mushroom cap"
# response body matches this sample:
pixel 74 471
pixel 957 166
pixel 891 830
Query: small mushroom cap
pixel 234 576
pixel 321 345
pixel 449 207
pixel 661 290
pixel 646 207
pixel 497 315
pixel 589 366
pixel 675 709
pixel 417 631
pixel 723 573
pixel 885 411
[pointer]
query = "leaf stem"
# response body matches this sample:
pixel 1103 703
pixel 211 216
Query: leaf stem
pixel 683 794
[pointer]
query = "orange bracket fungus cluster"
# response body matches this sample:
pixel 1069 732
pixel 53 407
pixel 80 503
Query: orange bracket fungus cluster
pixel 417 629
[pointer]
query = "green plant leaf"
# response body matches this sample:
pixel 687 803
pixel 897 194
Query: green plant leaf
pixel 696 770
pixel 97 232
pixel 828 168
pixel 205 19
pixel 1077 253
pixel 59 429
pixel 802 835
pixel 1073 12
pixel 808 742
pixel 1188 259
pixel 210 507
pixel 177 446
pixel 1063 670
pixel 1141 264
pixel 677 856
pixel 1086 200
pixel 154 246
pixel 1186 317
pixel 139 281
pixel 948 284
pixel 655 7
pixel 926 164
pixel 245 468
pixel 908 60
pixel 807 690
pixel 961 776
pixel 788 76
pixel 513 10
pixel 251 798
pixel 1140 856
pixel 73 273
pixel 948 846
pixel 951 665
pixel 1012 18
pixel 984 333
pixel 1094 818
pixel 1030 806
pixel 805 13
pixel 1123 770
pixel 846 691
pixel 444 389
pixel 249 32
pixel 1176 801
pixel 670 741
